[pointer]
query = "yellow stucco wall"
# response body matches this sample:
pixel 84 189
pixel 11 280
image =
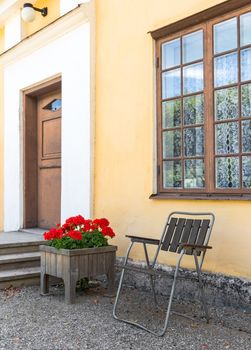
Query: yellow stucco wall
pixel 1 131
pixel 40 21
pixel 1 149
pixel 1 40
pixel 125 136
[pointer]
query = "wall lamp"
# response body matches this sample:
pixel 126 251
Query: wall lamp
pixel 28 12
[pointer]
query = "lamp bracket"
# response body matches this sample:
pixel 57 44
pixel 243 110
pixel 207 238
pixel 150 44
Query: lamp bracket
pixel 44 10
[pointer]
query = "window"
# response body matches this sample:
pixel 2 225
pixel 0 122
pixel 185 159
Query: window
pixel 204 109
pixel 54 105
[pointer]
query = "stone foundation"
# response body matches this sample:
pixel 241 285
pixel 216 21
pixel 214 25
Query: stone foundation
pixel 220 290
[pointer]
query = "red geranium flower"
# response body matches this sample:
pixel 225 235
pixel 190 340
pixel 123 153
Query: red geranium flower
pixel 87 225
pixel 74 234
pixel 54 233
pixel 103 222
pixel 108 231
pixel 75 220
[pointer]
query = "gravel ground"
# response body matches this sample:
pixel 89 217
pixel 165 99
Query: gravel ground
pixel 29 321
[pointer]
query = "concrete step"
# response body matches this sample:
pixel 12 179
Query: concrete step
pixel 20 247
pixel 21 260
pixel 20 277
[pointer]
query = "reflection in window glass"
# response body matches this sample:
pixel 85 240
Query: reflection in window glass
pixel 193 78
pixel 225 70
pixel 226 103
pixel 227 172
pixel 246 136
pixel 171 83
pixel 193 46
pixel 227 138
pixel 54 105
pixel 171 144
pixel 194 141
pixel 246 172
pixel 245 29
pixel 193 109
pixel 225 36
pixel 246 100
pixel 171 54
pixel 194 173
pixel 171 113
pixel 246 65
pixel 172 174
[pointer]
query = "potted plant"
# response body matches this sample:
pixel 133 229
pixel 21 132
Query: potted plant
pixel 75 250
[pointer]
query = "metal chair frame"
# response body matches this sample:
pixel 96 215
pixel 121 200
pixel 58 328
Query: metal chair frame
pixel 184 247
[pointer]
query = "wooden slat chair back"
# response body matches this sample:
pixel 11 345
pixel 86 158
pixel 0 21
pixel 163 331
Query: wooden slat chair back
pixel 185 233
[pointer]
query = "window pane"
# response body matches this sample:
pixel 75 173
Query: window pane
pixel 193 78
pixel 193 46
pixel 194 141
pixel 172 174
pixel 227 172
pixel 171 113
pixel 225 35
pixel 171 54
pixel 227 138
pixel 171 144
pixel 246 136
pixel 226 103
pixel 246 172
pixel 54 105
pixel 246 65
pixel 226 70
pixel 171 83
pixel 194 173
pixel 246 100
pixel 193 109
pixel 245 21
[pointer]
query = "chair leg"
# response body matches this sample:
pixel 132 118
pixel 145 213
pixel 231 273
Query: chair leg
pixel 202 294
pixel 121 282
pixel 162 332
pixel 171 295
pixel 150 276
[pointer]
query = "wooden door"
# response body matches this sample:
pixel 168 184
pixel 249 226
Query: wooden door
pixel 49 159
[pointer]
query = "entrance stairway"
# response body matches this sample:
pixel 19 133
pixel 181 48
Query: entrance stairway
pixel 19 259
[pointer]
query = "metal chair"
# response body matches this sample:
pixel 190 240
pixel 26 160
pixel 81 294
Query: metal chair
pixel 184 233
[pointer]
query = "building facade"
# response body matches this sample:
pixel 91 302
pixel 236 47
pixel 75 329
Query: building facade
pixel 155 117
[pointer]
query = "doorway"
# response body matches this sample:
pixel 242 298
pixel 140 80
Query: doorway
pixel 42 155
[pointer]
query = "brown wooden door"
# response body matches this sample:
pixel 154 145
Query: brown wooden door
pixel 49 159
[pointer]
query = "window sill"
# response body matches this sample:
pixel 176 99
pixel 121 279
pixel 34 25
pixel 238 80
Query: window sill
pixel 201 196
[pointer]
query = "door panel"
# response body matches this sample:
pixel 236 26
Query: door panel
pixel 49 159
pixel 51 138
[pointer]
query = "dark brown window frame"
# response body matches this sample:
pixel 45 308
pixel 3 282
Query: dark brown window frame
pixel 205 21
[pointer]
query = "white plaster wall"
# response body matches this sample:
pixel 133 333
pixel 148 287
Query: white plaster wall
pixel 69 56
pixel 68 5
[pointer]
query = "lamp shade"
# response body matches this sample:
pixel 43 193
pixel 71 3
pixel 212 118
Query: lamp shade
pixel 28 13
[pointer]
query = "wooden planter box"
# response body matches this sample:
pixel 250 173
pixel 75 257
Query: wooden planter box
pixel 72 265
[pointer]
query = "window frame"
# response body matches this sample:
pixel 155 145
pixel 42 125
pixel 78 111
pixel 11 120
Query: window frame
pixel 179 29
